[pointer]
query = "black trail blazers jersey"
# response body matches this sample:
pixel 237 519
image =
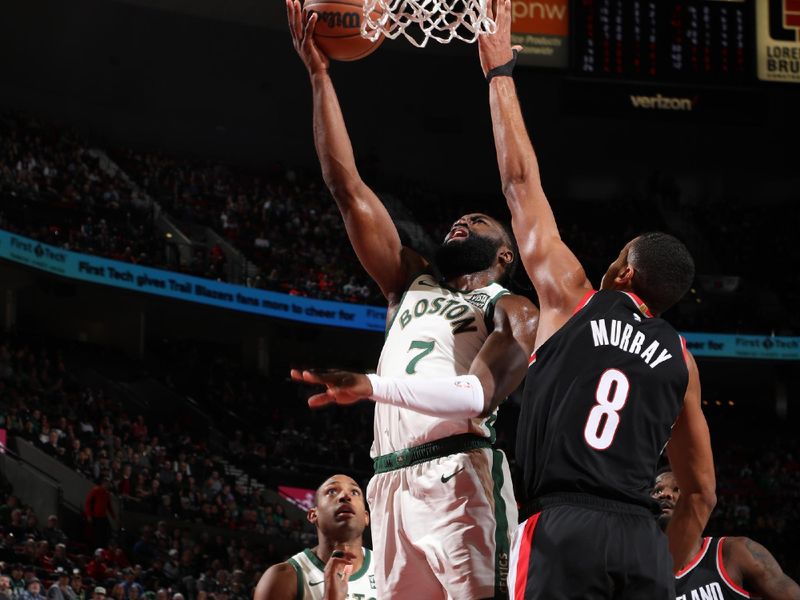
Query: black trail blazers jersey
pixel 601 397
pixel 705 576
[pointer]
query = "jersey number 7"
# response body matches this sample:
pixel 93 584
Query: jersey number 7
pixel 426 347
pixel 611 395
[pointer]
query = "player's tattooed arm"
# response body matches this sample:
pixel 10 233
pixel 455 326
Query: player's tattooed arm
pixel 370 228
pixel 556 273
pixel 760 572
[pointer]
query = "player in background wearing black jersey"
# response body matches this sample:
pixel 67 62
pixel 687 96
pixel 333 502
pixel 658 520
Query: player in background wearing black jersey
pixel 610 384
pixel 726 568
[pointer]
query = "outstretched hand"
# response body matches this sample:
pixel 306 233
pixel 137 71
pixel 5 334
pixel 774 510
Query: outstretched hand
pixel 495 49
pixel 303 37
pixel 342 387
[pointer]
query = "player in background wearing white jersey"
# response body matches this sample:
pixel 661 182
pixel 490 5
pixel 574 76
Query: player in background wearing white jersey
pixel 338 567
pixel 722 568
pixel 457 344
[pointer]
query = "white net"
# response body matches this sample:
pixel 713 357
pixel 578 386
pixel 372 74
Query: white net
pixel 422 20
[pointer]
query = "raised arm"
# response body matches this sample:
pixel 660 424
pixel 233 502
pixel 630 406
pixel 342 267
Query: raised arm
pixel 370 228
pixel 692 462
pixel 558 277
pixel 495 372
pixel 759 572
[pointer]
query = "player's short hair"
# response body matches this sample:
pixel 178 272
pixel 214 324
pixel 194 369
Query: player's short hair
pixel 664 469
pixel 664 269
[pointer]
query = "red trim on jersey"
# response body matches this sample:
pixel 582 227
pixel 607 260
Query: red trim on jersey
pixel 697 558
pixel 724 572
pixel 532 359
pixel 640 304
pixel 584 301
pixel 523 562
pixel 685 350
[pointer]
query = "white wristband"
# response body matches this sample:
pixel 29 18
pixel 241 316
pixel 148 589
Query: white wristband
pixel 448 397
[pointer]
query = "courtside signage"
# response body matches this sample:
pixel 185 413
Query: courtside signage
pixel 542 29
pixel 169 284
pixel 724 345
pixel 778 40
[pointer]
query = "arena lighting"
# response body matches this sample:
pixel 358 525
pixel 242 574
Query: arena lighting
pixel 168 235
pixel 731 402
pixel 718 403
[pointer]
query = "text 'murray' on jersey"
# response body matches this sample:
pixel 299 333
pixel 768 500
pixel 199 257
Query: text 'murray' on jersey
pixel 600 401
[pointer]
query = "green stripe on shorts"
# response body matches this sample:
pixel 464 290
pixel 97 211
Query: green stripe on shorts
pixel 502 546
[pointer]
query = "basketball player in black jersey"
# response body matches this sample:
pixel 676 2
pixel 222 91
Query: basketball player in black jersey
pixel 726 568
pixel 610 384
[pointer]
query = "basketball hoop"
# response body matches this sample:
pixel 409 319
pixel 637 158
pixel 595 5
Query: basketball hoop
pixel 422 20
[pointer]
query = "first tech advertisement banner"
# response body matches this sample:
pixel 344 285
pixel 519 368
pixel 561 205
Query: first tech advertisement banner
pixel 169 284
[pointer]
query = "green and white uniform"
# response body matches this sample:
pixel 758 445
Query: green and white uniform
pixel 442 505
pixel 310 577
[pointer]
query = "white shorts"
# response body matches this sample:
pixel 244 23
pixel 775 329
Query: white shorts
pixel 442 529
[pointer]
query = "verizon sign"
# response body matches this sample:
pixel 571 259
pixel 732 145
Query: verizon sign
pixel 663 102
pixel 659 102
pixel 778 40
pixel 542 29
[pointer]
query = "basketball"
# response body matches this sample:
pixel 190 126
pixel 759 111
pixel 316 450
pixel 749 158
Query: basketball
pixel 338 31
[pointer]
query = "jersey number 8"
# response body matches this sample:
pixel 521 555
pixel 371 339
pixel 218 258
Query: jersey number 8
pixel 611 395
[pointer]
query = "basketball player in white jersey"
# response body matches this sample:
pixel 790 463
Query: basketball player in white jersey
pixel 338 567
pixel 457 343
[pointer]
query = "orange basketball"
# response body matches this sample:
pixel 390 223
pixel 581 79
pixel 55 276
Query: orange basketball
pixel 338 31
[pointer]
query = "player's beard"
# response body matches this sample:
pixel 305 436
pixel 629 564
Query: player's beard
pixel 471 255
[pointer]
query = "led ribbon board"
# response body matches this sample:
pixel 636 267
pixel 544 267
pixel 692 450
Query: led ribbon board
pixel 170 284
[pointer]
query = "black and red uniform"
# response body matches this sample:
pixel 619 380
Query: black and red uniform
pixel 600 400
pixel 705 576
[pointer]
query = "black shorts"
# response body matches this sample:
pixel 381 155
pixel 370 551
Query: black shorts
pixel 584 547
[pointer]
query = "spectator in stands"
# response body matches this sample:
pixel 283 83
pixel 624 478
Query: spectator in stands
pixel 17 579
pixel 98 569
pixel 61 589
pixel 78 585
pixel 97 510
pixel 171 565
pixel 16 526
pixel 6 591
pixel 53 533
pixel 33 590
pixel 53 445
pixel 11 503
pixel 118 592
pixel 143 549
pixel 99 593
pixel 130 586
pixel 60 558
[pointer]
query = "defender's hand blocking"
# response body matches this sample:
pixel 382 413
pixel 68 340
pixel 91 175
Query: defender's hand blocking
pixel 303 37
pixel 495 49
pixel 343 387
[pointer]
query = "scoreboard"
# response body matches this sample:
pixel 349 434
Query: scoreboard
pixel 669 41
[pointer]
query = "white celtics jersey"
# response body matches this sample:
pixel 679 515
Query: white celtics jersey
pixel 310 577
pixel 436 332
